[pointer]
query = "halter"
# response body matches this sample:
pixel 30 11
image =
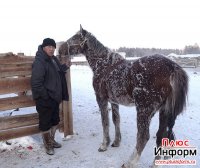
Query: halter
pixel 81 45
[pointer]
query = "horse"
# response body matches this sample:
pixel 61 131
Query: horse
pixel 152 83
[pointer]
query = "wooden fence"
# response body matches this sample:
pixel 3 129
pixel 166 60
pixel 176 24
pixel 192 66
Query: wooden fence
pixel 15 74
pixel 187 62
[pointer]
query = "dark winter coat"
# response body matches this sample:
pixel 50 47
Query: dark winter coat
pixel 47 81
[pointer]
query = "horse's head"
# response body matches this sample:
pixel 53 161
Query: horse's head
pixel 75 44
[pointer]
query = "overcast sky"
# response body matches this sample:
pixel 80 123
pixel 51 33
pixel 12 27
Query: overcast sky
pixel 129 23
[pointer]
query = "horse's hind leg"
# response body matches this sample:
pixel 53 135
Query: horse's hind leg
pixel 162 131
pixel 103 104
pixel 143 121
pixel 165 122
pixel 116 121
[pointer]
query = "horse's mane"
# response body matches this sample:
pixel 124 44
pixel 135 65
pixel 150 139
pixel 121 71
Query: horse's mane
pixel 102 51
pixel 96 45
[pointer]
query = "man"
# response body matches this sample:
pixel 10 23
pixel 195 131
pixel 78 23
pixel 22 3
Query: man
pixel 49 88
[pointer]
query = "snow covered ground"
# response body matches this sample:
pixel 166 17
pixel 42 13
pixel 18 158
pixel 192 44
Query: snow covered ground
pixel 81 150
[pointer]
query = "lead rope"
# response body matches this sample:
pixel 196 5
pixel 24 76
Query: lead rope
pixel 68 47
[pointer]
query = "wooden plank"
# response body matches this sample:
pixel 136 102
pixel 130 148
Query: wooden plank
pixel 4 54
pixel 7 67
pixel 20 132
pixel 18 121
pixel 8 71
pixel 10 58
pixel 14 85
pixel 15 73
pixel 16 102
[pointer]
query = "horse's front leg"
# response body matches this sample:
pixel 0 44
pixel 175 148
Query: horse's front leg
pixel 116 121
pixel 103 104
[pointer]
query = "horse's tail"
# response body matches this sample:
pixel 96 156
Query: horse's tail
pixel 176 101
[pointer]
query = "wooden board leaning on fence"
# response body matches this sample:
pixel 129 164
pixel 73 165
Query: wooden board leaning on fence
pixel 15 74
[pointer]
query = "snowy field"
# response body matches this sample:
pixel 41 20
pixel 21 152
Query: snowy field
pixel 81 150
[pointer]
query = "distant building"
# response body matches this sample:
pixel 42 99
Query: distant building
pixel 187 60
pixel 184 56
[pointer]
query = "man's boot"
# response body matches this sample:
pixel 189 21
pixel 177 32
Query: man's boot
pixel 48 143
pixel 53 132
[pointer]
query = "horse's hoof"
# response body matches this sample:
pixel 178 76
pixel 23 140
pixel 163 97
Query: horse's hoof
pixel 167 157
pixel 123 166
pixel 126 165
pixel 157 157
pixel 115 145
pixel 103 147
pixel 101 150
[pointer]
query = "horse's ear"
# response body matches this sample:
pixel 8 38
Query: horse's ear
pixel 82 31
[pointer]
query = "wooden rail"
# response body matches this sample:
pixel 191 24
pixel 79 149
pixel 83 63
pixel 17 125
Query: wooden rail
pixel 15 74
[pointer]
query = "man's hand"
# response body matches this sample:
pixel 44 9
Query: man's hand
pixel 68 63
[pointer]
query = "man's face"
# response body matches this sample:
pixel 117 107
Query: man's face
pixel 49 50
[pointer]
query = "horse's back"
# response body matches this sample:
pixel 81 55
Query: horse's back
pixel 155 63
pixel 152 69
pixel 151 79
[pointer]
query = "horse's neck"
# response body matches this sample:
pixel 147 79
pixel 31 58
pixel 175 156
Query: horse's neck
pixel 100 63
pixel 99 57
pixel 95 61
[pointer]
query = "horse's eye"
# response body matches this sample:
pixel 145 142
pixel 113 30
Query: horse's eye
pixel 82 38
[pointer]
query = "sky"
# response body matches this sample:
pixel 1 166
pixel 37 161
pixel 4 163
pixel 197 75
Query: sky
pixel 115 23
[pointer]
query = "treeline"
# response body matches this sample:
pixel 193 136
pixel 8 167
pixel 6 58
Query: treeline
pixel 139 52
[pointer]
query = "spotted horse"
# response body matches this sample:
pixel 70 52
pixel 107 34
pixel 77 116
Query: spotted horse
pixel 151 83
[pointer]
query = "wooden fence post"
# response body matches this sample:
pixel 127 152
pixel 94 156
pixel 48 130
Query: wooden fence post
pixel 67 109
